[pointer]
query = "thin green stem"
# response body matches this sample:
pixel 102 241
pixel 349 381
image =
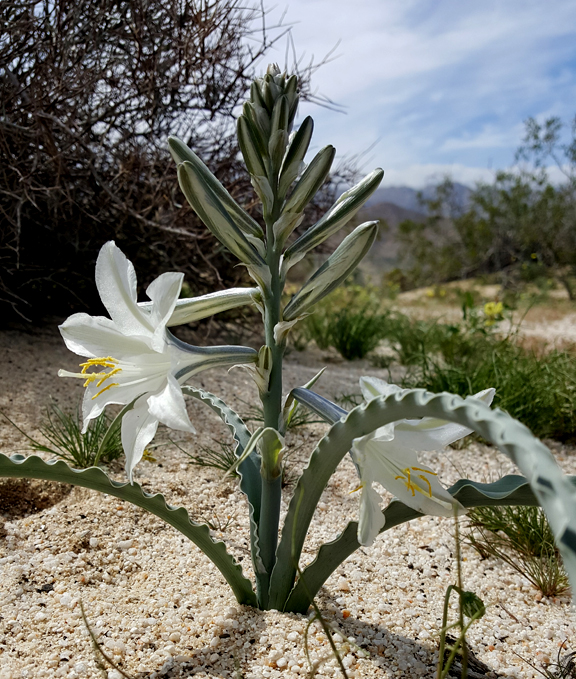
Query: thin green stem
pixel 268 530
pixel 272 404
pixel 461 606
pixel 439 674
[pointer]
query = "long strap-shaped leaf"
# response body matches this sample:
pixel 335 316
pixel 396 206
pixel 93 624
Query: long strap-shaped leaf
pixel 249 471
pixel 551 487
pixel 508 491
pixel 33 467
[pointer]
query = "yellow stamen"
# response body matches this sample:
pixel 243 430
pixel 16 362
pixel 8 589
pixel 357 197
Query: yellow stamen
pixel 114 384
pixel 426 471
pixel 99 376
pixel 421 476
pixel 410 485
pixel 356 489
pixel 107 375
pixel 105 362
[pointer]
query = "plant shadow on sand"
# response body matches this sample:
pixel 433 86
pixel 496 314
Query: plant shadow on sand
pixel 393 652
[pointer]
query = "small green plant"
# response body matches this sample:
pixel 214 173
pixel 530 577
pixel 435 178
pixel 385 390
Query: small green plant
pixel 468 357
pixel 469 606
pixel 354 333
pixel 349 320
pixel 223 457
pixel 520 536
pixel 99 444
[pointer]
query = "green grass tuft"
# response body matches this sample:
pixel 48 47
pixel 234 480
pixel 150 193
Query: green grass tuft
pixel 520 536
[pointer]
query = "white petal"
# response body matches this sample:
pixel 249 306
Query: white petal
pixel 97 336
pixel 169 407
pixel 371 519
pixel 138 429
pixel 397 469
pixel 116 283
pixel 433 433
pixel 372 387
pixel 127 388
pixel 163 292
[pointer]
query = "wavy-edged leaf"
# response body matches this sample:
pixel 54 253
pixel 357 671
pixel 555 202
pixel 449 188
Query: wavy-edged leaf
pixel 552 489
pixel 180 152
pixel 337 216
pixel 248 469
pixel 34 467
pixel 511 490
pixel 335 269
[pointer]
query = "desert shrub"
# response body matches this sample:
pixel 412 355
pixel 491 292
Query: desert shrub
pixel 90 92
pixel 521 226
pixel 350 320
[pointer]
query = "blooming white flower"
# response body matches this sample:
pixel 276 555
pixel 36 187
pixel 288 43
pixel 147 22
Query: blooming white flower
pixel 389 456
pixel 131 357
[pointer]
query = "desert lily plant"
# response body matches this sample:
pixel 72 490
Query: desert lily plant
pixel 132 359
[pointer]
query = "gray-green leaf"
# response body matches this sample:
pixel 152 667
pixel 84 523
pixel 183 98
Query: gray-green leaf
pixel 34 467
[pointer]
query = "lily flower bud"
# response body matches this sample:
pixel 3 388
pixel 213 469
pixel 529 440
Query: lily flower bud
pixel 297 149
pixel 335 269
pixel 218 221
pixel 337 216
pixel 181 153
pixel 312 179
pixel 253 157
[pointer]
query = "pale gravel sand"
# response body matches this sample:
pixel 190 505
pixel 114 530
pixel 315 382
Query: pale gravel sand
pixel 161 609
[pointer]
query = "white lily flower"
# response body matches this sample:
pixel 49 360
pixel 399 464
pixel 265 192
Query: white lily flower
pixel 132 357
pixel 389 456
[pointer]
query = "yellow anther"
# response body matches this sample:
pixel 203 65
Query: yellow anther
pixel 105 362
pixel 426 471
pixel 357 489
pixel 107 375
pixel 410 485
pixel 114 384
pixel 99 376
pixel 421 476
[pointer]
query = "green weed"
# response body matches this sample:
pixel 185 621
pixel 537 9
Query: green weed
pixel 100 444
pixel 222 457
pixel 522 538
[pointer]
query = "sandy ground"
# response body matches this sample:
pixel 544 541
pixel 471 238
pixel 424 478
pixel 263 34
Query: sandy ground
pixel 158 606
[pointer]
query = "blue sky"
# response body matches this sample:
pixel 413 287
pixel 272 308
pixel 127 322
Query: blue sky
pixel 438 87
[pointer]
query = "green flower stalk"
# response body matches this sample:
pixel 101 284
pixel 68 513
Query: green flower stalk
pixel 132 359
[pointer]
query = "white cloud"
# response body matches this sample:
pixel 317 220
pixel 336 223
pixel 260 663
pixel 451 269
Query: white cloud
pixel 419 176
pixel 444 83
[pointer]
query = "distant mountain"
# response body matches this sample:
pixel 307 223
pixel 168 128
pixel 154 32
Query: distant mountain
pixel 383 255
pixel 407 198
